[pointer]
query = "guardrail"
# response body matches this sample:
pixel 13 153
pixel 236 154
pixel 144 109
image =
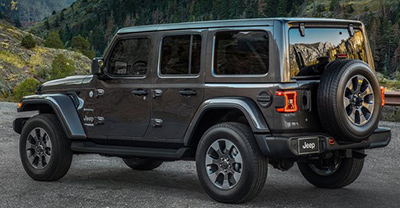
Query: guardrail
pixel 392 98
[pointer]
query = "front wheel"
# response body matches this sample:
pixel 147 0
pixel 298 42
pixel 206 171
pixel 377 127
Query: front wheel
pixel 230 165
pixel 332 172
pixel 44 149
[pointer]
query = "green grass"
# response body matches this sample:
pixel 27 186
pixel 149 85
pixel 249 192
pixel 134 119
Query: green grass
pixel 12 59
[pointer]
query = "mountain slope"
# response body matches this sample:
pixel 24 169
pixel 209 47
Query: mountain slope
pixel 29 12
pixel 18 63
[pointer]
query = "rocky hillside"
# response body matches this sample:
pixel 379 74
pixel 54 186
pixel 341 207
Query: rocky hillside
pixel 28 12
pixel 18 63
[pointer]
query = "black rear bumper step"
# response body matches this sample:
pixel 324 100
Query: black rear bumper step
pixel 126 151
pixel 280 147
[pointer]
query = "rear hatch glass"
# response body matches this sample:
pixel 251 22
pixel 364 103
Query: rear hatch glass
pixel 310 53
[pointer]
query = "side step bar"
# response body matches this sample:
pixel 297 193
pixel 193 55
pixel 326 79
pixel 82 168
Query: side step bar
pixel 126 151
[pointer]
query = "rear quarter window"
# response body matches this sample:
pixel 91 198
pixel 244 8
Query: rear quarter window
pixel 241 53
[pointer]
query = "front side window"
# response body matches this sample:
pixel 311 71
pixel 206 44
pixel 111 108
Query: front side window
pixel 241 53
pixel 309 54
pixel 180 55
pixel 130 57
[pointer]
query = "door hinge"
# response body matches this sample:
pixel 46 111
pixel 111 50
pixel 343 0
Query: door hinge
pixel 157 93
pixel 157 122
pixel 99 121
pixel 99 92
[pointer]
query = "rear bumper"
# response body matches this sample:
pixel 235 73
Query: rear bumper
pixel 280 147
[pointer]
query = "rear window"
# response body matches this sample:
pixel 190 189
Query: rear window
pixel 310 54
pixel 241 53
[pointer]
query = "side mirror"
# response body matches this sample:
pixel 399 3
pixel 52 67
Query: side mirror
pixel 97 65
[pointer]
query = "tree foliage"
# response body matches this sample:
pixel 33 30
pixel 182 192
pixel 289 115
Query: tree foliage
pixel 82 45
pixel 53 41
pixel 102 19
pixel 26 87
pixel 28 41
pixel 61 67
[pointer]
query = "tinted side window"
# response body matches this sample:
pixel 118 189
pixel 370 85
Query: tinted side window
pixel 130 57
pixel 241 52
pixel 181 55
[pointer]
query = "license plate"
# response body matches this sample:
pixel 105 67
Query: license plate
pixel 308 145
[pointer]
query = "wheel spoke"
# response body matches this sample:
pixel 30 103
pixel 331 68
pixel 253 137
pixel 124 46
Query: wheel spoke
pixel 40 162
pixel 238 158
pixel 210 160
pixel 355 84
pixel 213 176
pixel 34 137
pixel 350 87
pixel 215 147
pixel 47 158
pixel 368 106
pixel 225 183
pixel 31 156
pixel 236 176
pixel 352 116
pixel 346 101
pixel 362 117
pixel 228 146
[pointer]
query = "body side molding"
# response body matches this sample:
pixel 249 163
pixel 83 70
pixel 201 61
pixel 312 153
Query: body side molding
pixel 64 108
pixel 250 109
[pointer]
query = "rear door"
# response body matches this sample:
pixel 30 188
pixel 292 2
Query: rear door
pixel 179 85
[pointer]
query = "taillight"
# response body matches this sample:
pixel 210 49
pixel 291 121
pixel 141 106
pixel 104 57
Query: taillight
pixel 383 96
pixel 290 101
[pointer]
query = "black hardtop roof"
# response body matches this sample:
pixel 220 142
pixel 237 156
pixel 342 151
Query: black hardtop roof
pixel 226 23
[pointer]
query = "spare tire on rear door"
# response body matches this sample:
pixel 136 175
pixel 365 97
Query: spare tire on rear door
pixel 349 100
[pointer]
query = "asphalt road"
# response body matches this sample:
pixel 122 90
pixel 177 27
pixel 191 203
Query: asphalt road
pixel 96 181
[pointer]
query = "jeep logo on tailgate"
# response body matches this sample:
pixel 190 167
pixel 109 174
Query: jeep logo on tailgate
pixel 308 145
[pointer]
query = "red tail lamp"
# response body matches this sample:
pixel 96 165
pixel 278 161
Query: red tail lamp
pixel 290 101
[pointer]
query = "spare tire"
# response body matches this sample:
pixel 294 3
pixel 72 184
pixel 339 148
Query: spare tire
pixel 349 100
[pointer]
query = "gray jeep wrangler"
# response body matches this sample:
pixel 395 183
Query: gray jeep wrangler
pixel 232 95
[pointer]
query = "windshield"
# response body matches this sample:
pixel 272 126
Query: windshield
pixel 310 54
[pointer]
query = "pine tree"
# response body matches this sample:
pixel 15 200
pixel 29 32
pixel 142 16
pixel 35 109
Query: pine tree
pixel 82 45
pixel 53 41
pixel 109 29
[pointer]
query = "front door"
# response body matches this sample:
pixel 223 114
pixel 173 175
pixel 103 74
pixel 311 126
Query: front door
pixel 123 104
pixel 179 86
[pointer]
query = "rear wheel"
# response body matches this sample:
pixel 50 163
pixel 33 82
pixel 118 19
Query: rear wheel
pixel 332 172
pixel 45 151
pixel 230 165
pixel 142 163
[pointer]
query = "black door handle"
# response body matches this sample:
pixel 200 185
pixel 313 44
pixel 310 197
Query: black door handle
pixel 139 92
pixel 188 92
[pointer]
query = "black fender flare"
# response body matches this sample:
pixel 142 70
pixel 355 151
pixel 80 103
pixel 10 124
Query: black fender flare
pixel 64 107
pixel 247 106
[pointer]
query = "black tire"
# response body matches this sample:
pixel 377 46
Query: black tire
pixel 142 163
pixel 347 172
pixel 56 147
pixel 332 92
pixel 253 172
